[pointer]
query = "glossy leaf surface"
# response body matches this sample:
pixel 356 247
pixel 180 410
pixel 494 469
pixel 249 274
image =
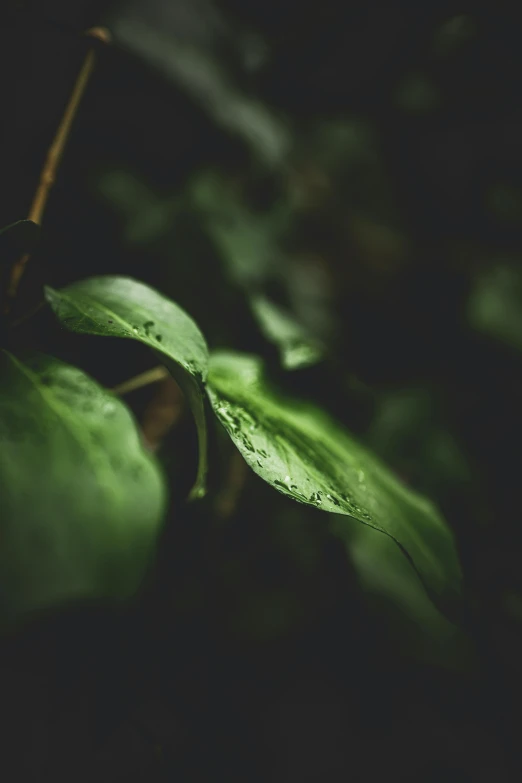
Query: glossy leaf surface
pixel 82 501
pixel 122 307
pixel 302 452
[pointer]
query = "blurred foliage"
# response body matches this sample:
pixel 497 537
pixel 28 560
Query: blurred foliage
pixel 317 224
pixel 338 190
pixel 495 303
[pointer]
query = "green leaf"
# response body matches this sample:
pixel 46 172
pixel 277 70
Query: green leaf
pixel 183 47
pixel 122 307
pixel 391 590
pixel 495 304
pixel 297 348
pixel 302 452
pixel 82 501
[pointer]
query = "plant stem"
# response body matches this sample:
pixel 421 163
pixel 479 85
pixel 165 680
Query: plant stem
pixel 55 154
pixel 150 376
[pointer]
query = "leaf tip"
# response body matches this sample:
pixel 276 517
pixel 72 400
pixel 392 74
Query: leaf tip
pixel 197 492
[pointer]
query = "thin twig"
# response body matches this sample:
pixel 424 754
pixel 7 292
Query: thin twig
pixel 55 154
pixel 150 376
pixel 229 497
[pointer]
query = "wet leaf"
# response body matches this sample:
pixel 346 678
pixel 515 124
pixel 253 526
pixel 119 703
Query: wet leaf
pixel 122 307
pixel 82 501
pixel 302 452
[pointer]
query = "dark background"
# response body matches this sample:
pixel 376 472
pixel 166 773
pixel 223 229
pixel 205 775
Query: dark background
pixel 377 195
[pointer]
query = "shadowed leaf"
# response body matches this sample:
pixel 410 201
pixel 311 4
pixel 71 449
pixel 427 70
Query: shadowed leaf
pixel 82 501
pixel 302 452
pixel 122 307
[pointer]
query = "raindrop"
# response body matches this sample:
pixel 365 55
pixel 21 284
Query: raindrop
pixel 333 500
pixel 315 499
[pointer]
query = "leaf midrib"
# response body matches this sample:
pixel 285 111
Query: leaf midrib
pixel 87 299
pixel 378 477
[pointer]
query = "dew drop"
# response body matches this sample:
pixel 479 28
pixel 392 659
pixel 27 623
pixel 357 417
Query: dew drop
pixel 315 499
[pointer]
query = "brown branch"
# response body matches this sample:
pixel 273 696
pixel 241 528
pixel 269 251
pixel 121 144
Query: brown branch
pixel 229 497
pixel 55 154
pixel 162 413
pixel 149 376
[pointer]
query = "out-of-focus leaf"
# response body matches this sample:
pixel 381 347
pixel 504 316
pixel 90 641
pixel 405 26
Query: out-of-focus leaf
pixel 147 217
pixel 250 246
pixel 453 34
pixel 82 501
pixel 248 243
pixel 417 95
pixel 22 237
pixel 495 304
pixel 122 307
pixel 182 40
pixel 505 202
pixel 297 349
pixel 407 430
pixel 302 452
pixel 392 589
pixel 350 153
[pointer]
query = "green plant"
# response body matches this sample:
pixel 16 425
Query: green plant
pixel 82 499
